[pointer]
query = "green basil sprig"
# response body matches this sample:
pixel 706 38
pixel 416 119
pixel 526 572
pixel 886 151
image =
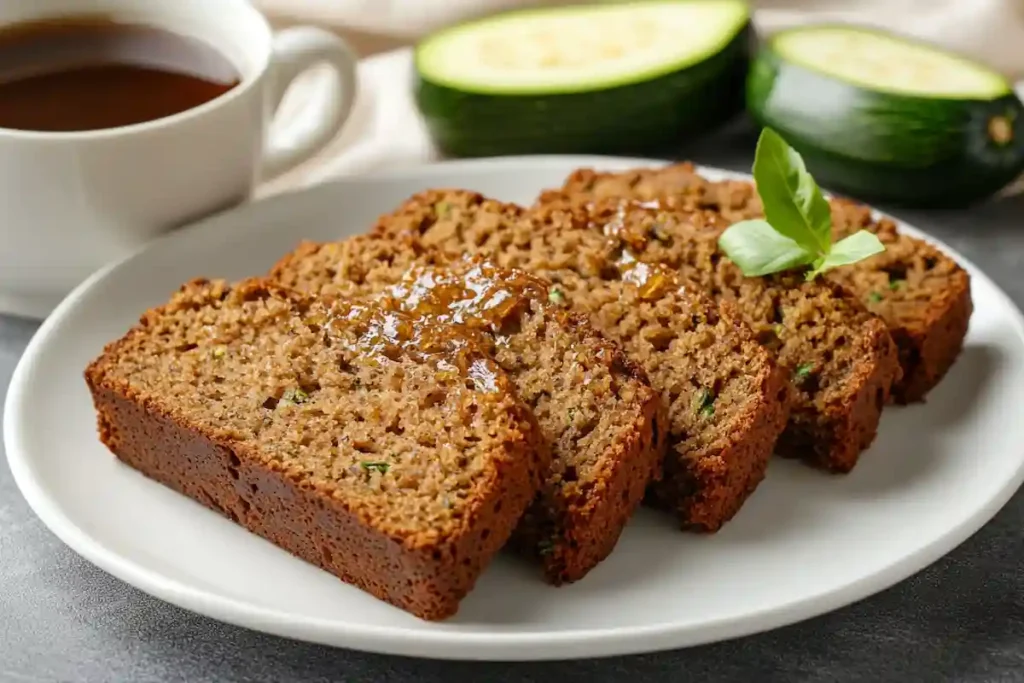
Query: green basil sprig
pixel 797 229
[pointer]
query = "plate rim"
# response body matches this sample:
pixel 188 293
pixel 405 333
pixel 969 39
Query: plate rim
pixel 442 644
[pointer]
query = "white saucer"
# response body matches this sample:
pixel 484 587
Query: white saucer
pixel 804 544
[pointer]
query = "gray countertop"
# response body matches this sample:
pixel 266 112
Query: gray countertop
pixel 962 619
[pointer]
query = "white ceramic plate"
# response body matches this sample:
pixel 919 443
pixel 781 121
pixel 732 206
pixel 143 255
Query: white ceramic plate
pixel 804 544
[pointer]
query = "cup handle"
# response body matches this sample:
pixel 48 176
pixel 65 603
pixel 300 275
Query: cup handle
pixel 295 51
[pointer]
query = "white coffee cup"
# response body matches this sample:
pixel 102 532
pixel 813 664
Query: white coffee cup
pixel 72 202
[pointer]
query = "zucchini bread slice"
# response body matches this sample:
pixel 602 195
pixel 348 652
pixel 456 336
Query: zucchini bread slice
pixel 727 400
pixel 595 408
pixel 922 294
pixel 391 453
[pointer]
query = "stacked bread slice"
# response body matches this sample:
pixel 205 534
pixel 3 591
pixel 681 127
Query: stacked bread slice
pixel 389 451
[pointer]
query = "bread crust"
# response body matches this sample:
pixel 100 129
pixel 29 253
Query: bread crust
pixel 593 520
pixel 922 294
pixel 705 493
pixel 927 353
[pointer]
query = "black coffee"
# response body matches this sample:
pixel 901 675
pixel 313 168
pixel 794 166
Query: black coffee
pixel 90 73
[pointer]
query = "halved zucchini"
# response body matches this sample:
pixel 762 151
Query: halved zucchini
pixel 887 118
pixel 625 76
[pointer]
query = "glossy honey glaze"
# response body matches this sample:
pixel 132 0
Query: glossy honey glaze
pixel 377 332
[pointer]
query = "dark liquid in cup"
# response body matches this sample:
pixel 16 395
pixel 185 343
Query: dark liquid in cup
pixel 90 73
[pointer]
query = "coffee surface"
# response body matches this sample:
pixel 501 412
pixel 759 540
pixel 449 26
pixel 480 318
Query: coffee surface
pixel 91 73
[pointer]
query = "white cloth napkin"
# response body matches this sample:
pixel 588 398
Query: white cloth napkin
pixel 989 30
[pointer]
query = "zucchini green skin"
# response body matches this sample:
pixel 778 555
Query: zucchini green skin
pixel 651 115
pixel 894 148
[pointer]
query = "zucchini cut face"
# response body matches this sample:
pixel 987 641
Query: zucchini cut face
pixel 887 63
pixel 579 48
pixel 886 118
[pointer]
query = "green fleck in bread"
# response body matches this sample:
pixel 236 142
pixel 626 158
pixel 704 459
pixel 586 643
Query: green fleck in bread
pixel 389 452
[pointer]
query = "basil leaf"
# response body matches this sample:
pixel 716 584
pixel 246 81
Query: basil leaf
pixel 758 249
pixel 797 230
pixel 792 201
pixel 856 247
